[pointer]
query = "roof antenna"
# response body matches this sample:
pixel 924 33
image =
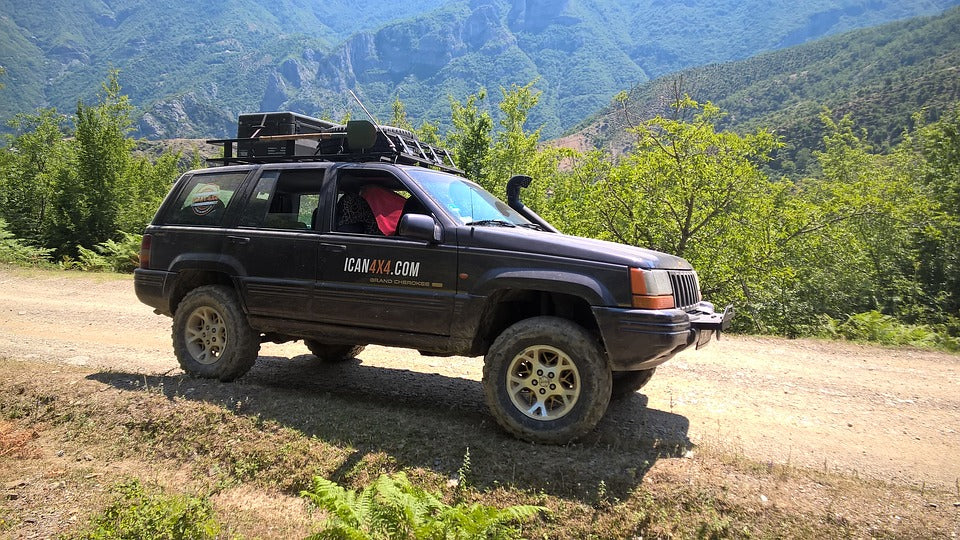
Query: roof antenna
pixel 375 122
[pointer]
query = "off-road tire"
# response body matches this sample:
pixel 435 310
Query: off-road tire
pixel 333 353
pixel 211 336
pixel 626 383
pixel 558 364
pixel 390 130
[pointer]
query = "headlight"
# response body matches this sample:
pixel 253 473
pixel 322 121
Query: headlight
pixel 651 289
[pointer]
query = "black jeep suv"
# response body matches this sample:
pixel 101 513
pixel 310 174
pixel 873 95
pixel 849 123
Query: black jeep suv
pixel 348 235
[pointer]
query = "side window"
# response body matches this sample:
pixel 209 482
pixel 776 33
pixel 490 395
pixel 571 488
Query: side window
pixel 284 200
pixel 204 200
pixel 372 204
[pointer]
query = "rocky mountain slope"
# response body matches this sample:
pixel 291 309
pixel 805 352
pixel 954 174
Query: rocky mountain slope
pixel 191 68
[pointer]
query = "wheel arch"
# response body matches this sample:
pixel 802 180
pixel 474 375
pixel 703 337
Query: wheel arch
pixel 189 279
pixel 508 306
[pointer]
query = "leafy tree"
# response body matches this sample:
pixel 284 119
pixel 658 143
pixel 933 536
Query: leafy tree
pixel 470 138
pixel 35 153
pixel 429 133
pixel 145 184
pixel 685 181
pixel 784 252
pixel 399 118
pixel 686 189
pixel 842 239
pixel 514 149
pixel 931 157
pixel 89 201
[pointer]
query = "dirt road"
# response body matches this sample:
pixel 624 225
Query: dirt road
pixel 889 414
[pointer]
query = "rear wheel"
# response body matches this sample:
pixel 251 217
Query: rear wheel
pixel 546 380
pixel 626 383
pixel 333 353
pixel 211 336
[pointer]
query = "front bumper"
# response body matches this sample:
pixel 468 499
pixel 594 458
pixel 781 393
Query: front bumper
pixel 708 322
pixel 638 339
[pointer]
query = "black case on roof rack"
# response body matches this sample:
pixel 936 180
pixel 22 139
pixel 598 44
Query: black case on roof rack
pixel 252 126
pixel 277 137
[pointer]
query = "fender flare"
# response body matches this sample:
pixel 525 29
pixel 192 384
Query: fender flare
pixel 571 283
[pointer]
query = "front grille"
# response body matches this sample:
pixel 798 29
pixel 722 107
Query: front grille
pixel 686 289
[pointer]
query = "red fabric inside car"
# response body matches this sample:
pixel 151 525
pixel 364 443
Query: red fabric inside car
pixel 387 207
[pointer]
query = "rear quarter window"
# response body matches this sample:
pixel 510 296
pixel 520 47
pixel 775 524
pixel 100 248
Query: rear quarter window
pixel 204 199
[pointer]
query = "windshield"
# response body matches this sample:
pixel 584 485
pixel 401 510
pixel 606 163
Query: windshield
pixel 465 201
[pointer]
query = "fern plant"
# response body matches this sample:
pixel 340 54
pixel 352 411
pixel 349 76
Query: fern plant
pixel 112 255
pixel 16 251
pixel 392 508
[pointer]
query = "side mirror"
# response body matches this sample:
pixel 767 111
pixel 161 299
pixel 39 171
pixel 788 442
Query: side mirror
pixel 420 227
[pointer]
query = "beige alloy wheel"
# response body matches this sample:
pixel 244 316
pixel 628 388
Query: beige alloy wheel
pixel 205 335
pixel 543 382
pixel 546 380
pixel 211 336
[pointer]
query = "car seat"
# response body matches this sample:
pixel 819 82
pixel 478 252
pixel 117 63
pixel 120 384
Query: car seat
pixel 354 215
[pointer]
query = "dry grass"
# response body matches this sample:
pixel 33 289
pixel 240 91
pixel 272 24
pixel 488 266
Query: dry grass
pixel 49 274
pixel 67 437
pixel 16 443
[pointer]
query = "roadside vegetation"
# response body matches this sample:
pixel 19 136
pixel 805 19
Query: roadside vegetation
pixel 865 248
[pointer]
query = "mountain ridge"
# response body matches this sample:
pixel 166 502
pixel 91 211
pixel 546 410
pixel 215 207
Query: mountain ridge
pixel 191 72
pixel 881 76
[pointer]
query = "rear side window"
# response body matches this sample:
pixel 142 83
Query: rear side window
pixel 285 200
pixel 204 199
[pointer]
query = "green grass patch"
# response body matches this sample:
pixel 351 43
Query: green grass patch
pixel 141 512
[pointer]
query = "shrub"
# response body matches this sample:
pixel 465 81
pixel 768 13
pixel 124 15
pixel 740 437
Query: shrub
pixel 112 255
pixel 876 327
pixel 16 251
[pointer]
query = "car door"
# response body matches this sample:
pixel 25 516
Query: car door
pixel 277 246
pixel 374 278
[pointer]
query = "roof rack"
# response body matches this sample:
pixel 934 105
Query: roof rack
pixel 309 139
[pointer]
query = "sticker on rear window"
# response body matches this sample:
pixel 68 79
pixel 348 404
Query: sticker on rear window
pixel 205 199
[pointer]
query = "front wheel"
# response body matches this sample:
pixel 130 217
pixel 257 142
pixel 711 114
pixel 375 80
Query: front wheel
pixel 211 336
pixel 546 380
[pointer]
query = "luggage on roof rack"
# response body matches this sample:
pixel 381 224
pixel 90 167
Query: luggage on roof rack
pixel 278 137
pixel 253 126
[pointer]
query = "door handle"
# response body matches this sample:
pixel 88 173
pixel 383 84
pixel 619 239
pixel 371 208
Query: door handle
pixel 335 248
pixel 241 240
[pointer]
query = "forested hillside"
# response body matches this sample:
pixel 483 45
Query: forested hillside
pixel 190 68
pixel 880 76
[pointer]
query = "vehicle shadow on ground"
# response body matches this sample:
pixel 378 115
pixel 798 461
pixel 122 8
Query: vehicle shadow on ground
pixel 430 420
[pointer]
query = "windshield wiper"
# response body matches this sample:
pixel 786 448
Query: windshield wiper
pixel 485 222
pixel 533 226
